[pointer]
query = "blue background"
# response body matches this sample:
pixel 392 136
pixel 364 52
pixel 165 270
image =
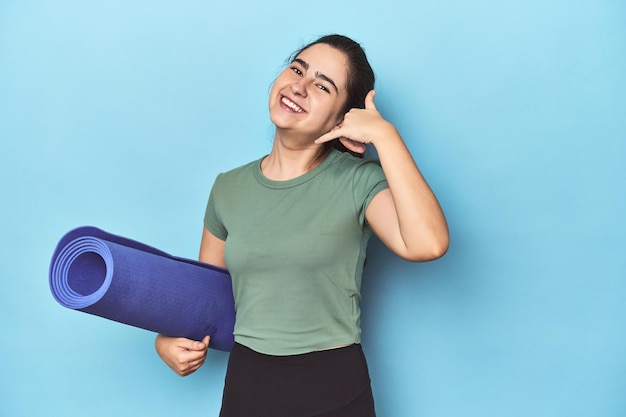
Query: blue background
pixel 119 114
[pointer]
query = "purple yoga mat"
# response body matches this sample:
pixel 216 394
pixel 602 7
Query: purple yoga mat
pixel 129 282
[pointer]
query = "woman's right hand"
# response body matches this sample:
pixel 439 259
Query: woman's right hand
pixel 183 356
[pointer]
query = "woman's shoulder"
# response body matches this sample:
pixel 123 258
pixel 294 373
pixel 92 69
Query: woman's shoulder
pixel 242 171
pixel 344 161
pixel 236 178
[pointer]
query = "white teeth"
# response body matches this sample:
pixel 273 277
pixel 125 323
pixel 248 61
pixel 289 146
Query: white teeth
pixel 293 106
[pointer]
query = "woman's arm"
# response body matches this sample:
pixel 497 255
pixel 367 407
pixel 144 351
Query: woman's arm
pixel 185 356
pixel 212 249
pixel 406 217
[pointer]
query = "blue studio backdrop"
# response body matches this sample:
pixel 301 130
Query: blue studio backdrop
pixel 119 114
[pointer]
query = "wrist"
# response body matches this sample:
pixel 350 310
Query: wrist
pixel 386 134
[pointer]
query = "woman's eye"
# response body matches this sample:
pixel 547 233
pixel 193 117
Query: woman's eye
pixel 323 88
pixel 296 70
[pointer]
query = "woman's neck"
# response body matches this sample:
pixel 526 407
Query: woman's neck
pixel 289 159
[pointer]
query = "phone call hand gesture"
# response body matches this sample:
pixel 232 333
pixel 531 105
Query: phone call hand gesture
pixel 360 127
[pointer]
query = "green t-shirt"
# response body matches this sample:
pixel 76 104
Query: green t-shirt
pixel 295 251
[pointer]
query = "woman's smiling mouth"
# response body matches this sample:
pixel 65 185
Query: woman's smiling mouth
pixel 291 105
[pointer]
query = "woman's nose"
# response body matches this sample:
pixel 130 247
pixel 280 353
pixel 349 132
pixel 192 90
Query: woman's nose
pixel 299 87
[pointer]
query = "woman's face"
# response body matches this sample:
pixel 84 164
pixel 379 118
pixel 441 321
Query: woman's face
pixel 308 95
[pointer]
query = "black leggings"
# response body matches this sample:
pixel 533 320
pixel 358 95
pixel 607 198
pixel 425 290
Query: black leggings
pixel 328 383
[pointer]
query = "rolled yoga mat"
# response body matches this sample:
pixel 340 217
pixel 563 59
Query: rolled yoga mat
pixel 132 283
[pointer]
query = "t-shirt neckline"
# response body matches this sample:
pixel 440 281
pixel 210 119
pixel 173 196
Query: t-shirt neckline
pixel 297 180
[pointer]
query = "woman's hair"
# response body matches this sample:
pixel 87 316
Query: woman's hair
pixel 360 79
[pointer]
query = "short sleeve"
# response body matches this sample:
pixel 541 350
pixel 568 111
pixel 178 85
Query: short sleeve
pixel 369 180
pixel 212 219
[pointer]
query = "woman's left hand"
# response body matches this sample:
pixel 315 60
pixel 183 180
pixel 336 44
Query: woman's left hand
pixel 359 127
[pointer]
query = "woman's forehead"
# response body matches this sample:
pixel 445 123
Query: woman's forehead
pixel 325 59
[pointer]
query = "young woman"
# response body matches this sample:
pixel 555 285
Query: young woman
pixel 292 229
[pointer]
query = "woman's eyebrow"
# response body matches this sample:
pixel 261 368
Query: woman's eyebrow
pixel 318 74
